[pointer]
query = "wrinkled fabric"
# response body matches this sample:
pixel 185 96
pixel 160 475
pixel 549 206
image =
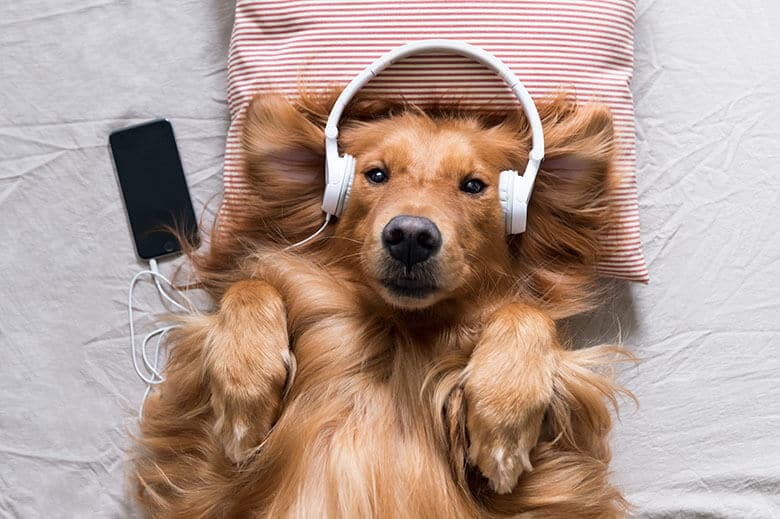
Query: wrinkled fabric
pixel 70 73
pixel 704 441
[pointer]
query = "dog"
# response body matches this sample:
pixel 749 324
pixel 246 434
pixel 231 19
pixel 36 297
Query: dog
pixel 406 362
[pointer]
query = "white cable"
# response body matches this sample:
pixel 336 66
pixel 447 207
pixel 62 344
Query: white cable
pixel 161 332
pixel 163 293
pixel 310 238
pixel 151 373
pixel 151 366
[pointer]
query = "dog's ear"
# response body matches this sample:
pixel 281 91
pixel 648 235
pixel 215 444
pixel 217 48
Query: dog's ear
pixel 576 177
pixel 282 163
pixel 570 209
pixel 281 146
pixel 283 156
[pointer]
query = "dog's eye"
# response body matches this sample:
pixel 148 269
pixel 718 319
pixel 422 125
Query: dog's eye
pixel 472 186
pixel 376 176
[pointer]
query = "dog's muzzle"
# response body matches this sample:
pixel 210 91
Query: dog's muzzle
pixel 411 242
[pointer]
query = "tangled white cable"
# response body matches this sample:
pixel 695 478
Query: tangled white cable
pixel 149 370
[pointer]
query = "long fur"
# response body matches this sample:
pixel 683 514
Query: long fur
pixel 391 411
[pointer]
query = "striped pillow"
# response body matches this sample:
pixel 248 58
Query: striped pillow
pixel 581 45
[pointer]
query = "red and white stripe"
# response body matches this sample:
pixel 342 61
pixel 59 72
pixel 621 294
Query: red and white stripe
pixel 581 45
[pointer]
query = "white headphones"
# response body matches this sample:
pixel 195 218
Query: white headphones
pixel 514 190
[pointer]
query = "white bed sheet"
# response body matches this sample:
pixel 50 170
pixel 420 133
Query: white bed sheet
pixel 705 441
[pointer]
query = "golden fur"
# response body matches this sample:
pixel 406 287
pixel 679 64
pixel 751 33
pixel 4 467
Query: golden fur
pixel 312 391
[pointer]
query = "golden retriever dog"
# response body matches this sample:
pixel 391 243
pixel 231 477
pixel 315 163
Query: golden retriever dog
pixel 405 363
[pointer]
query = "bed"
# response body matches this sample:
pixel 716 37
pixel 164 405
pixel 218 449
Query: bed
pixel 705 440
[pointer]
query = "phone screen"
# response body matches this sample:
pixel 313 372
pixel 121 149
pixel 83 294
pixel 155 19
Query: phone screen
pixel 154 188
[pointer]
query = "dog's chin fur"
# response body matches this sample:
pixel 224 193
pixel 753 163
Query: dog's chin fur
pixel 330 382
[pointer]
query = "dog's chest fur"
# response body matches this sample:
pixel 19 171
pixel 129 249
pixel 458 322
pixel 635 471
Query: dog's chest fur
pixel 366 408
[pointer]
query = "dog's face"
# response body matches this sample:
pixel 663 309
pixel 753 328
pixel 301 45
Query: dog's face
pixel 424 206
pixel 423 222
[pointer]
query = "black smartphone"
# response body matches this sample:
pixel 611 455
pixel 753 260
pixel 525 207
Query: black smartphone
pixel 154 188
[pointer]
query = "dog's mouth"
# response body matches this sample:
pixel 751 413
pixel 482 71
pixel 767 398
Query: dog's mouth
pixel 409 287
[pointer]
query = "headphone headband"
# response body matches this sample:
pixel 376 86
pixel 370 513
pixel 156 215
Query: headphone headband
pixel 333 202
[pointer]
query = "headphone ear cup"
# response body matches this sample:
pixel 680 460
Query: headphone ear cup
pixel 348 163
pixel 341 172
pixel 506 181
pixel 513 193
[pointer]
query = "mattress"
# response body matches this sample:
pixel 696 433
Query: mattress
pixel 705 439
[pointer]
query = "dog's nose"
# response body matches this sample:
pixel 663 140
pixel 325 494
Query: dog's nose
pixel 411 239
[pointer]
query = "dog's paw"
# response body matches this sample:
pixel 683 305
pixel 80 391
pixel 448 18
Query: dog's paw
pixel 508 384
pixel 248 365
pixel 501 451
pixel 246 409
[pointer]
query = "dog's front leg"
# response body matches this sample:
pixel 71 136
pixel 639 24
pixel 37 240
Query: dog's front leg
pixel 508 384
pixel 247 364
